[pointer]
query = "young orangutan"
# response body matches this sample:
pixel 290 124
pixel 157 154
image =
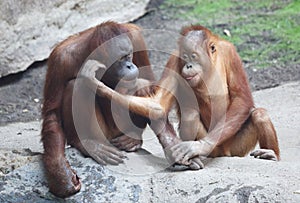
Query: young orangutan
pixel 99 127
pixel 227 123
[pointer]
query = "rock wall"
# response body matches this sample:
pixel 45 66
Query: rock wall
pixel 30 29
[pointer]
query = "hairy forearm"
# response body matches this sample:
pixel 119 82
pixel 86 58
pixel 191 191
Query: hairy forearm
pixel 165 132
pixel 144 106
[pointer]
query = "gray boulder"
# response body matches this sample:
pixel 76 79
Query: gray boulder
pixel 30 29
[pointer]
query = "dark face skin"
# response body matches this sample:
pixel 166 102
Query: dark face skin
pixel 196 52
pixel 123 72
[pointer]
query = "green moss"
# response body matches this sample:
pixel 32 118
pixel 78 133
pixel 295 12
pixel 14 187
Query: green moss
pixel 265 32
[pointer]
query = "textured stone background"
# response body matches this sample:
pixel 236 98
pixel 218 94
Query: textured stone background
pixel 30 29
pixel 145 178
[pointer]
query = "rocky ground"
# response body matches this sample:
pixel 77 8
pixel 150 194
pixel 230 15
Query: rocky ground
pixel 145 177
pixel 223 179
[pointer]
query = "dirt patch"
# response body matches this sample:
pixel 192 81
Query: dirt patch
pixel 21 94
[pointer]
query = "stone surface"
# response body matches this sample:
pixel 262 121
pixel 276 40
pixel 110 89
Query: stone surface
pixel 145 176
pixel 21 136
pixel 30 29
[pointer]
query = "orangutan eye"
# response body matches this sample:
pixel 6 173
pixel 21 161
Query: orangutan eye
pixel 213 48
pixel 184 57
pixel 194 56
pixel 127 57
